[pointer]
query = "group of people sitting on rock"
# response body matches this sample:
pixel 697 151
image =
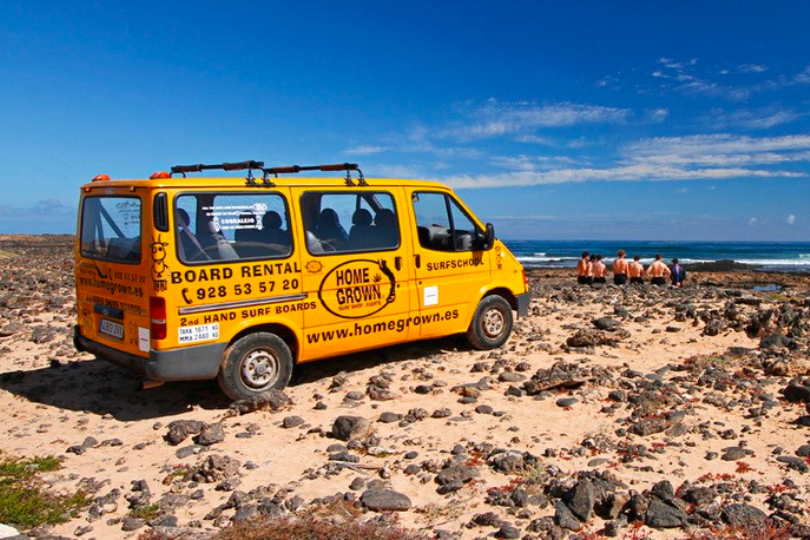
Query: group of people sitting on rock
pixel 591 269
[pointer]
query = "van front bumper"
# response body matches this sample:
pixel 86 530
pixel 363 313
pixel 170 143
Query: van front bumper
pixel 200 362
pixel 523 301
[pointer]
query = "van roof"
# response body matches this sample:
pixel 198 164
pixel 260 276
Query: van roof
pixel 237 182
pixel 269 177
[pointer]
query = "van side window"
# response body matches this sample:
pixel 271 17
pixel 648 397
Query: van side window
pixel 442 225
pixel 111 229
pixel 228 226
pixel 349 221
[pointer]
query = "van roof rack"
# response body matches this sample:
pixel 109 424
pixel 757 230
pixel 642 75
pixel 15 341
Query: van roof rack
pixel 348 167
pixel 250 166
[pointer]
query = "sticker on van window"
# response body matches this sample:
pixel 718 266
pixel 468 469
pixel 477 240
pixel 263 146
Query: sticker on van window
pixel 361 288
pixel 200 332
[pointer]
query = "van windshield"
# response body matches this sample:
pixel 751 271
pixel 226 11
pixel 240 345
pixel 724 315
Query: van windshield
pixel 111 229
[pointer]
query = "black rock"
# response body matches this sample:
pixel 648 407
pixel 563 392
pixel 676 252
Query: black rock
pixel 385 500
pixel 389 417
pixel 346 428
pixel 744 516
pixel 132 524
pixel 774 341
pixel 699 495
pixel 180 430
pixel 511 377
pixel 272 400
pixel 733 453
pixel 565 518
pixel 795 463
pixel 580 499
pixel 663 516
pixel 292 422
pixel 606 323
pixel 487 519
pixel 649 426
pixel 663 490
pixel 457 475
pixel 508 531
pixel 211 434
pixel 795 393
pixel 567 402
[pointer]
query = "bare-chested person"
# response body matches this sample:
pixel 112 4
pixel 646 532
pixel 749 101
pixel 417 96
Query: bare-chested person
pixel 658 271
pixel 599 270
pixel 620 267
pixel 582 269
pixel 636 271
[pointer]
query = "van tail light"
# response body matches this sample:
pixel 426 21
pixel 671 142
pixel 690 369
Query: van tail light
pixel 525 282
pixel 157 313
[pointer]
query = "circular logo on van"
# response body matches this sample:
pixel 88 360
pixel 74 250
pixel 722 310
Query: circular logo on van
pixel 357 289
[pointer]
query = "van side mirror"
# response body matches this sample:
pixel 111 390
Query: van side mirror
pixel 489 237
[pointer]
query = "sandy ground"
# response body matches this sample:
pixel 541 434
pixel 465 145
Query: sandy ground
pixel 54 398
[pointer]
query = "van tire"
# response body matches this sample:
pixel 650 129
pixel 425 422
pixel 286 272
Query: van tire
pixel 255 364
pixel 492 323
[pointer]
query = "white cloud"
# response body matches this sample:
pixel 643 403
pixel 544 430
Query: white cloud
pixel 720 149
pixel 365 150
pixel 685 78
pixel 657 115
pixel 626 173
pixel 495 119
pixel 752 222
pixel 765 118
pixel 791 219
pixel 752 68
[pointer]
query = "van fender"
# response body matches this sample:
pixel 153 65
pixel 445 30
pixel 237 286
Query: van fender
pixel 280 327
pixel 519 303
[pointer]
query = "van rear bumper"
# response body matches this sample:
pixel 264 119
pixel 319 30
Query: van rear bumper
pixel 523 301
pixel 196 363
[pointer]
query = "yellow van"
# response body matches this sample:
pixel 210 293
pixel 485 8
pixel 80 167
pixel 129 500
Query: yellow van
pixel 239 279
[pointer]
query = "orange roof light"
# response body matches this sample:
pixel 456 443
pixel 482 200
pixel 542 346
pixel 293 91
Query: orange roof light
pixel 160 174
pixel 101 177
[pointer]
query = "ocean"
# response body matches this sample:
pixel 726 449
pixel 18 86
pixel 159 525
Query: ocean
pixel 783 256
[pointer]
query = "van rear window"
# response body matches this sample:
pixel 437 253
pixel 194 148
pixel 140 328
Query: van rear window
pixel 111 229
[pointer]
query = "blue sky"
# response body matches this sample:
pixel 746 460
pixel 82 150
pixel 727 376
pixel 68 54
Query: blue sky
pixel 555 120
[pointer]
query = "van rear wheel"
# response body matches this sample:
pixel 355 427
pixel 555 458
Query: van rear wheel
pixel 492 323
pixel 254 364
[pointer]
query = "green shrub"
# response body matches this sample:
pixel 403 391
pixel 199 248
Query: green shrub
pixel 24 499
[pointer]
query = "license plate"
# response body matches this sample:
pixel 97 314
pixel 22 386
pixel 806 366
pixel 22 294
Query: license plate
pixel 112 328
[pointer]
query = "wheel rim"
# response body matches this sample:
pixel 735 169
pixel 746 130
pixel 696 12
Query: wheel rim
pixel 260 368
pixel 493 323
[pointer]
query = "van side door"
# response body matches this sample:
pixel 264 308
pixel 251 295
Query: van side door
pixel 354 268
pixel 452 270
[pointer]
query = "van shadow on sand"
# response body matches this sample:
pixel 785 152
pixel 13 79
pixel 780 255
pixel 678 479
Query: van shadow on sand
pixel 98 387
pixel 394 354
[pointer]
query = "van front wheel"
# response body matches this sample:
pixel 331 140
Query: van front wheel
pixel 492 323
pixel 254 364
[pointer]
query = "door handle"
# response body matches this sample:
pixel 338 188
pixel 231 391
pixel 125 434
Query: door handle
pixel 398 263
pixel 417 260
